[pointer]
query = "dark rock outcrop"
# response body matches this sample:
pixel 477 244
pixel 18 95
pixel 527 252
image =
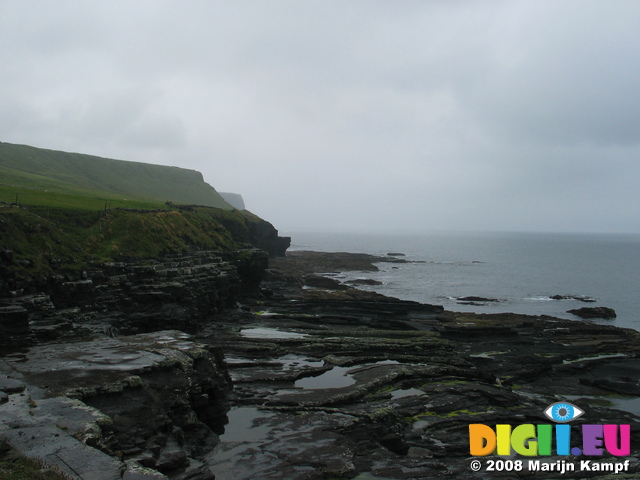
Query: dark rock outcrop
pixel 176 292
pixel 153 399
pixel 363 281
pixel 345 382
pixel 14 319
pixel 580 298
pixel 328 382
pixel 319 281
pixel 474 298
pixel 594 312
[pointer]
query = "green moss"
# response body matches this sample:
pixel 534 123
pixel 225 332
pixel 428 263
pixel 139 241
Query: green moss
pixel 385 389
pixel 445 382
pixel 149 235
pixel 420 416
pixel 28 469
pixel 78 209
pixel 66 239
pixel 454 413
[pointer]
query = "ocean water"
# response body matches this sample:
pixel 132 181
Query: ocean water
pixel 522 271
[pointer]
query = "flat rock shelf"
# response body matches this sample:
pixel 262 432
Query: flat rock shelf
pixel 372 387
pixel 303 378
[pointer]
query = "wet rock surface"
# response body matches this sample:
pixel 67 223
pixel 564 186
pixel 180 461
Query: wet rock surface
pixel 152 400
pixel 339 383
pixel 594 312
pixel 124 298
pixel 307 379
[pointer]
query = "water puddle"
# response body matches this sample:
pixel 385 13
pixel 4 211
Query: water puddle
pixel 259 332
pixel 627 404
pixel 296 361
pixel 335 378
pixel 248 425
pixel 260 444
pixel 488 355
pixel 405 393
pixel 239 455
pixel 387 362
pixel 229 360
pixel 597 357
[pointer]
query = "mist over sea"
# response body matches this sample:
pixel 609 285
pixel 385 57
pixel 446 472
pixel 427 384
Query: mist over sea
pixel 521 270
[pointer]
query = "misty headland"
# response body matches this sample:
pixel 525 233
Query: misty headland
pixel 144 336
pixel 174 302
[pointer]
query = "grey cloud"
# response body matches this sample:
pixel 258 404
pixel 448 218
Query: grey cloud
pixel 566 78
pixel 365 114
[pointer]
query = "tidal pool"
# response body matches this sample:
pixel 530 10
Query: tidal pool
pixel 627 404
pixel 335 378
pixel 260 332
pixel 239 455
pixel 407 392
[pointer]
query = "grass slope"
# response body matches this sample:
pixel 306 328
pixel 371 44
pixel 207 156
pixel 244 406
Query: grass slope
pixel 44 241
pixel 50 177
pixel 77 209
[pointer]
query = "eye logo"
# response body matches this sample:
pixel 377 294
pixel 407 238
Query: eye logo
pixel 563 412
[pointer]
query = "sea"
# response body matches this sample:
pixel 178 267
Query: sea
pixel 518 272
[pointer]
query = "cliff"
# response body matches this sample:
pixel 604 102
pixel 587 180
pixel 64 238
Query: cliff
pixel 35 174
pixel 234 199
pixel 104 265
pixel 38 243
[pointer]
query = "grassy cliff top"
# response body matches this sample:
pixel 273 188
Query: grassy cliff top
pixel 37 176
pixel 61 211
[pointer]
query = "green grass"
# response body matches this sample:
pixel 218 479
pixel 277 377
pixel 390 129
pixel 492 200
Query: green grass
pixel 76 209
pixel 22 468
pixel 45 240
pixel 49 239
pixel 32 197
pixel 149 235
pixel 26 167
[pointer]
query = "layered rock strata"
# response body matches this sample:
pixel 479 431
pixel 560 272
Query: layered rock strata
pixel 109 408
pixel 328 381
pixel 337 382
pixel 176 292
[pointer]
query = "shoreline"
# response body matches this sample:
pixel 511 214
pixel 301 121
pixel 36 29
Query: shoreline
pixel 521 271
pixel 316 378
pixel 420 374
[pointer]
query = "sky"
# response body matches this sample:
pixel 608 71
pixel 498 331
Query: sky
pixel 355 116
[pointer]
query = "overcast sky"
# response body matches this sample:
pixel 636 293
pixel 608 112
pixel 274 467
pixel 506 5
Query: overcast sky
pixel 348 115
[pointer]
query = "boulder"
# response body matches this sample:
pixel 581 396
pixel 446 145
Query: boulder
pixel 580 298
pixel 319 281
pixel 594 312
pixel 364 281
pixel 477 299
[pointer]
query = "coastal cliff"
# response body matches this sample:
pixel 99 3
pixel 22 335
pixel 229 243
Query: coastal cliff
pixel 102 345
pixel 147 341
pixel 99 375
pixel 33 175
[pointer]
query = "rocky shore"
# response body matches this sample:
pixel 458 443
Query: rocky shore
pixel 204 367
